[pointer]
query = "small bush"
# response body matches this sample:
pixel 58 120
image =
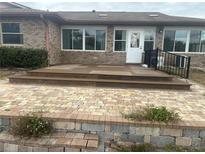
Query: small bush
pixel 152 113
pixel 22 57
pixel 137 148
pixel 31 126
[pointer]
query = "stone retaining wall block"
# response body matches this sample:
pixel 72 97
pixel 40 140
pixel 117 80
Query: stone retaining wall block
pixel 202 133
pixel 93 127
pixel 23 148
pixel 1 147
pixel 161 140
pixel 147 131
pixel 191 133
pixel 10 147
pixel 136 138
pixel 147 139
pixel 196 142
pixel 120 128
pixel 171 132
pixel 64 125
pixel 183 141
pixel 72 150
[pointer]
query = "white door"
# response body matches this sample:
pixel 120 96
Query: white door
pixel 134 50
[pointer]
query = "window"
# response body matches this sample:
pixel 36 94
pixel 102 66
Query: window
pixel 175 40
pixel 135 40
pixel 148 41
pixel 93 39
pixel 169 40
pixel 180 40
pixel 120 40
pixel 11 33
pixel 72 39
pixel 197 41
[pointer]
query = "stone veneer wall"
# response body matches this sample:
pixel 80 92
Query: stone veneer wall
pixel 54 45
pixel 118 133
pixel 95 57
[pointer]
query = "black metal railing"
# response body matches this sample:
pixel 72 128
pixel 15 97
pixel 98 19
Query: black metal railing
pixel 168 62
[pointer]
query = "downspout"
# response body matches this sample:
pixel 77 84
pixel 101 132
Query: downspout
pixel 46 35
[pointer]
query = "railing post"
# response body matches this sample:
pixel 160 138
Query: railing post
pixel 188 67
pixel 157 53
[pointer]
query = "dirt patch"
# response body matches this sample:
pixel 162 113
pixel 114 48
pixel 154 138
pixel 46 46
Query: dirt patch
pixel 6 72
pixel 198 76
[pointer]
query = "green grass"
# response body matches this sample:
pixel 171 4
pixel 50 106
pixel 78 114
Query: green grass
pixel 197 76
pixel 153 113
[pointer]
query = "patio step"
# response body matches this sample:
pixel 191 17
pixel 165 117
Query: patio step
pixel 174 84
pixel 63 74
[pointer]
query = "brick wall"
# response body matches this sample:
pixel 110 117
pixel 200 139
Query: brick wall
pixel 93 57
pixel 33 31
pixel 34 36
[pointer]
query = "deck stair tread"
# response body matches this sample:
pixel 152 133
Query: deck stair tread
pixel 174 82
pixel 58 71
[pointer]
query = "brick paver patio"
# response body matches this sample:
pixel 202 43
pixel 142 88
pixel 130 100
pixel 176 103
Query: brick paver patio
pixel 99 101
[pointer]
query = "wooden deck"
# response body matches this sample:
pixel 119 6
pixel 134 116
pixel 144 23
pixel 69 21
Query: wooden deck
pixel 126 76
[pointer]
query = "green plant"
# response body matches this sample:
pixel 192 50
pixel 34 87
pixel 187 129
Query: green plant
pixel 176 148
pixel 31 126
pixel 137 148
pixel 22 57
pixel 152 113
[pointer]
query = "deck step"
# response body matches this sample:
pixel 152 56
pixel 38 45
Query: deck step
pixel 174 84
pixel 63 74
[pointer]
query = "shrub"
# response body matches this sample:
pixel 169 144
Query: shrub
pixel 31 126
pixel 22 57
pixel 152 113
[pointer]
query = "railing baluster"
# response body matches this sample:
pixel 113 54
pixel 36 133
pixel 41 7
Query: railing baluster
pixel 171 63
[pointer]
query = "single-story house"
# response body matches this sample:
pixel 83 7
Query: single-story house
pixel 101 37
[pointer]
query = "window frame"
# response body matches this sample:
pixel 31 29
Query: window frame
pixel 83 28
pixel 188 30
pixel 154 38
pixel 126 30
pixel 2 33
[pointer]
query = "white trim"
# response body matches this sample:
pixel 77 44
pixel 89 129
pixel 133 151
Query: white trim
pixel 83 28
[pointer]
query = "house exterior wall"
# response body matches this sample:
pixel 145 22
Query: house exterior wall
pixel 33 31
pixel 96 57
pixel 34 36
